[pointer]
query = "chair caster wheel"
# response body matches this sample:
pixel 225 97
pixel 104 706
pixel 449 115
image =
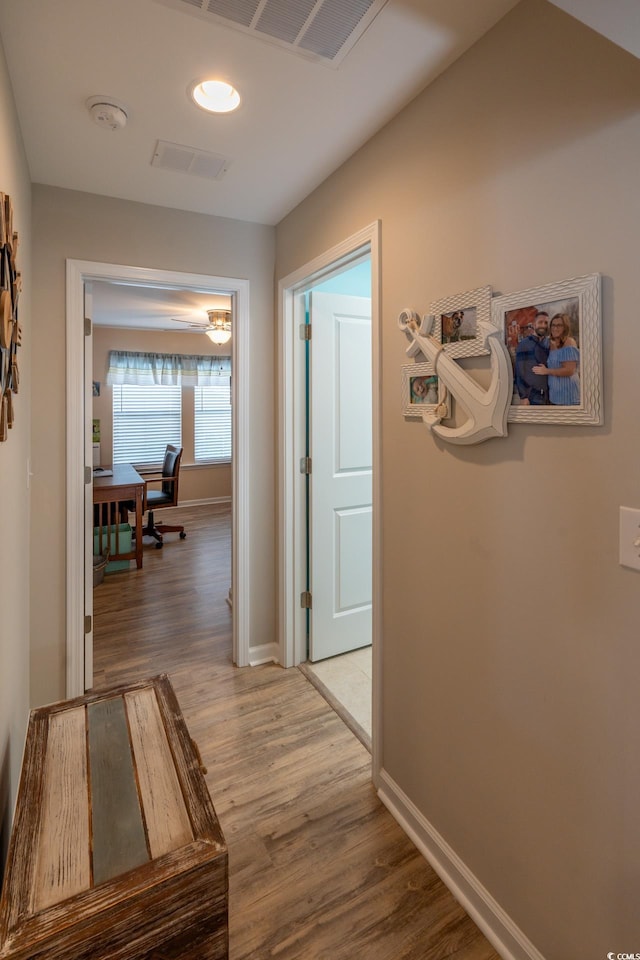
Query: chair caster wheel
pixel 183 535
pixel 158 546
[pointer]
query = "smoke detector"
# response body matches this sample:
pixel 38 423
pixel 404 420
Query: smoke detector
pixel 107 112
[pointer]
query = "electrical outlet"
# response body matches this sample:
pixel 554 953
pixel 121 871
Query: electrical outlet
pixel 630 538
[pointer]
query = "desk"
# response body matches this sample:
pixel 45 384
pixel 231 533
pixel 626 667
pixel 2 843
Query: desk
pixel 125 485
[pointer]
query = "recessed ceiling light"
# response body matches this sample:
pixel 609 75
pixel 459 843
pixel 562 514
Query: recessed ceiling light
pixel 216 96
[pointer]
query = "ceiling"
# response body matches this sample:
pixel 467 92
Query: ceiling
pixel 298 121
pixel 300 118
pixel 151 308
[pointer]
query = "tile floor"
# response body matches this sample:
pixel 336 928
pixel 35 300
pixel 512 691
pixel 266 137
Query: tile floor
pixel 345 681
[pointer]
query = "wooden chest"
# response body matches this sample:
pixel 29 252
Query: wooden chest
pixel 116 851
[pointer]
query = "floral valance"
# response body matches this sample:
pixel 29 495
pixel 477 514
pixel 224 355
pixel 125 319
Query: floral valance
pixel 169 369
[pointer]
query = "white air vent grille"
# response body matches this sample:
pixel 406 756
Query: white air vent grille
pixel 323 30
pixel 181 159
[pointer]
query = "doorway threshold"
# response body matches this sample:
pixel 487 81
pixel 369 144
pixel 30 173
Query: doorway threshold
pixel 345 683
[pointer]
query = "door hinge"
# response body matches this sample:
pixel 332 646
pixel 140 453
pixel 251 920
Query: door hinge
pixel 88 474
pixel 305 331
pixel 305 465
pixel 87 623
pixel 305 600
pixel 87 326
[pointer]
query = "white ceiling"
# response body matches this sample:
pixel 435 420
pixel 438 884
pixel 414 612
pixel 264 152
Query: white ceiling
pixel 151 308
pixel 298 120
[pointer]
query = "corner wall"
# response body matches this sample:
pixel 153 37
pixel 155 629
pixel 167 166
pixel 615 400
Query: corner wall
pixel 68 224
pixel 14 493
pixel 510 632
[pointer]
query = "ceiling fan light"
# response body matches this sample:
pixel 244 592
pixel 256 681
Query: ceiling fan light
pixel 219 335
pixel 219 326
pixel 215 96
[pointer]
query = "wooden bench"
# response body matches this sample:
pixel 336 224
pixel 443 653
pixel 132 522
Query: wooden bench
pixel 116 852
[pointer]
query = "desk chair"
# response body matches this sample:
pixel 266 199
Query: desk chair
pixel 167 496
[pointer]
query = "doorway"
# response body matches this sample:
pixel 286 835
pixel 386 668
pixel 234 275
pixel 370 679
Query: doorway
pixel 295 535
pixel 339 428
pixel 79 452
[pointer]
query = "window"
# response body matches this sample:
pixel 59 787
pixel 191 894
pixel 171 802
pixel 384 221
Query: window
pixel 212 413
pixel 145 420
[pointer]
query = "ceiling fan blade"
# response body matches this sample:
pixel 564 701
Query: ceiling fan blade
pixel 202 325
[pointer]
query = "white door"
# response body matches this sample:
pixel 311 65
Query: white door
pixel 340 446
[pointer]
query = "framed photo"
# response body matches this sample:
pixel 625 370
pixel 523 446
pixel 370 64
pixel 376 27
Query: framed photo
pixel 456 322
pixel 553 335
pixel 421 389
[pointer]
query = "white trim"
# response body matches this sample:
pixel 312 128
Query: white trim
pixel 499 929
pixel 198 503
pixel 265 653
pixel 79 271
pixel 291 540
pixel 76 541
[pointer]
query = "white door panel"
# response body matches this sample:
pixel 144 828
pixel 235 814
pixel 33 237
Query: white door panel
pixel 340 488
pixel 353 546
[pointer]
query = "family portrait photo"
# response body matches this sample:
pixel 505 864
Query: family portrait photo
pixel 543 340
pixel 554 339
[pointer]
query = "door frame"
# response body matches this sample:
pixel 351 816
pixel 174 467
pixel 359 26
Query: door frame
pixel 292 544
pixel 78 542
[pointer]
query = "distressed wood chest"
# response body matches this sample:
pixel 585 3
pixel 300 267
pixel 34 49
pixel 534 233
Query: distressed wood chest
pixel 116 851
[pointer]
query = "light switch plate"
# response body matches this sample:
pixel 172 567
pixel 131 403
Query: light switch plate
pixel 629 533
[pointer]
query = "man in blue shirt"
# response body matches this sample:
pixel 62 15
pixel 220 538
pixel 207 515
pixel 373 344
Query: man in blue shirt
pixel 533 350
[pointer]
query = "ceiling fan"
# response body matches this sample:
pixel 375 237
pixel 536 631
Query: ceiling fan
pixel 217 326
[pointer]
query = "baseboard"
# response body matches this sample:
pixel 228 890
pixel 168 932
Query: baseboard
pixel 509 941
pixel 265 653
pixel 199 503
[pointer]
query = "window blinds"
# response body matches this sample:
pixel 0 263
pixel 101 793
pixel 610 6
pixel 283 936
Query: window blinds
pixel 145 420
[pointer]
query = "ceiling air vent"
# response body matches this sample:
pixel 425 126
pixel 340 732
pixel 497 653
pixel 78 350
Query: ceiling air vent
pixel 181 159
pixel 322 30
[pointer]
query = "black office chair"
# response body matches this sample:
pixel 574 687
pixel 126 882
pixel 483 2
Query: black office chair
pixel 166 496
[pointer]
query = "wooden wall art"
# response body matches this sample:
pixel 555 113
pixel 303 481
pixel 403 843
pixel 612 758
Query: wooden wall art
pixel 10 329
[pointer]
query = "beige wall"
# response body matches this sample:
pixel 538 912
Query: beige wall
pixel 69 224
pixel 196 482
pixel 14 494
pixel 511 655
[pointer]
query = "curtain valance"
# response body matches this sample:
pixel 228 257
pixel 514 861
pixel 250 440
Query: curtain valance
pixel 168 369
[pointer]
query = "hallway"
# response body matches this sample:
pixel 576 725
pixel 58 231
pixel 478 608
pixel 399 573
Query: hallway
pixel 319 870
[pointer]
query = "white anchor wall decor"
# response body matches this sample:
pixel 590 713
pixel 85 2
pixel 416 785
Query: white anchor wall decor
pixel 486 409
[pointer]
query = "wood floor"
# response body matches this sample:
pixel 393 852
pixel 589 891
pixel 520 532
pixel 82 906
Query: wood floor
pixel 319 870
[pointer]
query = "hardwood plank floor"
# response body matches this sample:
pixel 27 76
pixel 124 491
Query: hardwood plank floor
pixel 319 870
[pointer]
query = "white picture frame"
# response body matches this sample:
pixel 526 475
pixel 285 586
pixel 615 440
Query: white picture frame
pixel 421 389
pixel 456 319
pixel 579 300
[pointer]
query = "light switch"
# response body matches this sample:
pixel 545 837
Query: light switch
pixel 630 537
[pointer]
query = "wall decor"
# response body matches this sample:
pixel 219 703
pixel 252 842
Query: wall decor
pixel 486 409
pixel 458 320
pixel 422 390
pixel 554 339
pixel 10 330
